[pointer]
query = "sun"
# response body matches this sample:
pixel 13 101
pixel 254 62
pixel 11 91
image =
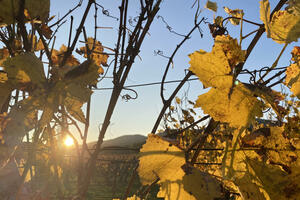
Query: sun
pixel 69 141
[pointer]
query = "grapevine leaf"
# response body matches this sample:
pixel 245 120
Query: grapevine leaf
pixel 38 9
pixel 79 91
pixel 25 68
pixel 211 6
pixel 160 159
pixel 97 54
pixel 74 108
pixel 214 68
pixel 202 185
pixel 58 56
pixel 238 110
pixel 277 183
pixel 8 11
pixel 296 54
pixel 21 118
pixel 284 27
pixel 174 190
pixel 265 15
pixel 84 74
pixel 248 188
pixel 238 13
pixel 293 78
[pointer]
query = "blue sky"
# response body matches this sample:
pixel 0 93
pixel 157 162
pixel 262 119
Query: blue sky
pixel 138 116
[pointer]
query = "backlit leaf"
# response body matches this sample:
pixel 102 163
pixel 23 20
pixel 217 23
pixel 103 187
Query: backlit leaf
pixel 160 159
pixel 265 15
pixel 25 68
pixel 238 13
pixel 293 79
pixel 277 183
pixel 34 9
pixel 58 56
pixel 211 6
pixel 296 54
pixel 8 10
pixel 202 185
pixel 214 68
pixel 74 108
pixel 284 27
pixel 38 9
pixel 97 54
pixel 83 74
pixel 240 110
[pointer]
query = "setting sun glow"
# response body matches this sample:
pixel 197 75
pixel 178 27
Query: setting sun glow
pixel 69 141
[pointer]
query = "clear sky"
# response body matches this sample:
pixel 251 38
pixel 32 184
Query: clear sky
pixel 138 116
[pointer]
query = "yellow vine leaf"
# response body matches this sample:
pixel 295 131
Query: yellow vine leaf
pixel 25 68
pixel 238 110
pixel 160 159
pixel 296 54
pixel 276 140
pixel 265 15
pixel 249 189
pixel 57 57
pixel 293 78
pixel 211 6
pixel 202 185
pixel 3 77
pixel 276 183
pixel 234 13
pixel 284 27
pixel 214 68
pixel 97 54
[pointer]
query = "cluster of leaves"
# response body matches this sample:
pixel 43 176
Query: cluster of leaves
pixel 56 97
pixel 244 157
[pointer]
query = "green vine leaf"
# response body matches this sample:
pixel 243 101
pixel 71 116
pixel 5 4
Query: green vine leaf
pixel 25 69
pixel 9 9
pixel 73 107
pixel 38 9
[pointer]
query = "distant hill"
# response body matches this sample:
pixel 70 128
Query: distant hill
pixel 123 141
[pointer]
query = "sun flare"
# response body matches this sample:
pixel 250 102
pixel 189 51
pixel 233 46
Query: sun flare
pixel 69 141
